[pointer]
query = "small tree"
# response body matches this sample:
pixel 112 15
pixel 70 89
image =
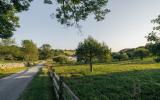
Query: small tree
pixel 89 50
pixel 141 53
pixel 45 52
pixel 30 50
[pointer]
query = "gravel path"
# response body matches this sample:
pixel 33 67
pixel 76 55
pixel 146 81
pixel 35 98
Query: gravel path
pixel 12 86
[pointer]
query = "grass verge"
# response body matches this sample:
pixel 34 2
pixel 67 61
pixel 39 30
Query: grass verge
pixel 7 72
pixel 40 88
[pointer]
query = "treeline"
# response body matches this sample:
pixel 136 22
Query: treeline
pixel 28 51
pixel 10 51
pixel 131 53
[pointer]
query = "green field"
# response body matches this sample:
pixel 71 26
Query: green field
pixel 40 88
pixel 4 73
pixel 127 80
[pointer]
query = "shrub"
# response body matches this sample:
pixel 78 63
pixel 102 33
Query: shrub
pixel 63 60
pixel 157 59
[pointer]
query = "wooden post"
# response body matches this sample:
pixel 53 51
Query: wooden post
pixel 61 88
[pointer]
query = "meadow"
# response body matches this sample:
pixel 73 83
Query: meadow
pixel 125 80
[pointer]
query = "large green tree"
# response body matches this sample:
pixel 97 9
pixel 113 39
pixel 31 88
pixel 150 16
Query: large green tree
pixel 8 18
pixel 154 39
pixel 68 12
pixel 30 50
pixel 90 50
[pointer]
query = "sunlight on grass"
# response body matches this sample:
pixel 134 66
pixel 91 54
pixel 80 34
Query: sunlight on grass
pixel 9 71
pixel 113 81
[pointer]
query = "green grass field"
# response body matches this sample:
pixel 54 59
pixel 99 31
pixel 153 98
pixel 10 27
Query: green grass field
pixel 7 72
pixel 126 80
pixel 40 88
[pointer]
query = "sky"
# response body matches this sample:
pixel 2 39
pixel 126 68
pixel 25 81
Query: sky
pixel 124 27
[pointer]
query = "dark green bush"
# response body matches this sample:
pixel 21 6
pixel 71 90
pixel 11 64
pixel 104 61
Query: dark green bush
pixel 62 60
pixel 157 59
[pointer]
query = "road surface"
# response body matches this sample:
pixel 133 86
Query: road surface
pixel 12 86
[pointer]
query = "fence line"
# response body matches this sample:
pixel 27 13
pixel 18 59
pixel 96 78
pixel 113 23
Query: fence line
pixel 60 87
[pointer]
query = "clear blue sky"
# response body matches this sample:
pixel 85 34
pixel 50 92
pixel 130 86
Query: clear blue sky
pixel 124 27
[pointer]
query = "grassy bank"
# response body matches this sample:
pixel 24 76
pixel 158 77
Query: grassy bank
pixel 7 72
pixel 116 81
pixel 40 88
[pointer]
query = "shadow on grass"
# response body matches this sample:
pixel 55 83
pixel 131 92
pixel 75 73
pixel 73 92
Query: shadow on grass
pixel 143 84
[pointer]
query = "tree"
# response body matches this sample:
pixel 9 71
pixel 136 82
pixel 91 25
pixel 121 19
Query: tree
pixel 45 52
pixel 68 12
pixel 30 50
pixel 120 56
pixel 105 55
pixel 12 52
pixel 89 50
pixel 154 39
pixel 129 52
pixel 141 53
pixel 8 18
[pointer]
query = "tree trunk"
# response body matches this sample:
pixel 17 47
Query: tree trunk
pixel 90 64
pixel 141 58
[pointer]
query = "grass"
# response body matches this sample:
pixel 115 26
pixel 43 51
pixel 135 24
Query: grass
pixel 7 72
pixel 40 88
pixel 127 80
pixel 9 61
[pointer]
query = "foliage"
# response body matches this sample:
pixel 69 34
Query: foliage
pixel 8 18
pixel 72 11
pixel 120 56
pixel 129 52
pixel 68 12
pixel 141 53
pixel 7 42
pixel 157 59
pixel 154 38
pixel 45 52
pixel 113 81
pixel 30 50
pixel 90 50
pixel 11 53
pixel 61 59
pixel 57 52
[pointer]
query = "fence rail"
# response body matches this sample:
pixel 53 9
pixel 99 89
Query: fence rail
pixel 60 87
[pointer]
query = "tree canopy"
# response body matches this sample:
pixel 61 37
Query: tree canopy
pixel 68 12
pixel 45 52
pixel 90 50
pixel 30 50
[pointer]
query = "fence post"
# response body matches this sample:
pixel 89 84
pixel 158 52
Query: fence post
pixel 61 88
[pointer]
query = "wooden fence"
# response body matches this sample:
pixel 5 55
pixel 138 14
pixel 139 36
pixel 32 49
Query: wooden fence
pixel 62 91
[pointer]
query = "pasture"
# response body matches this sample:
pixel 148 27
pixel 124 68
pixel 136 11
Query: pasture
pixel 126 80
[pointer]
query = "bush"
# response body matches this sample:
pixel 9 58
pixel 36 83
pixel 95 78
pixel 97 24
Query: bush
pixel 157 59
pixel 62 60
